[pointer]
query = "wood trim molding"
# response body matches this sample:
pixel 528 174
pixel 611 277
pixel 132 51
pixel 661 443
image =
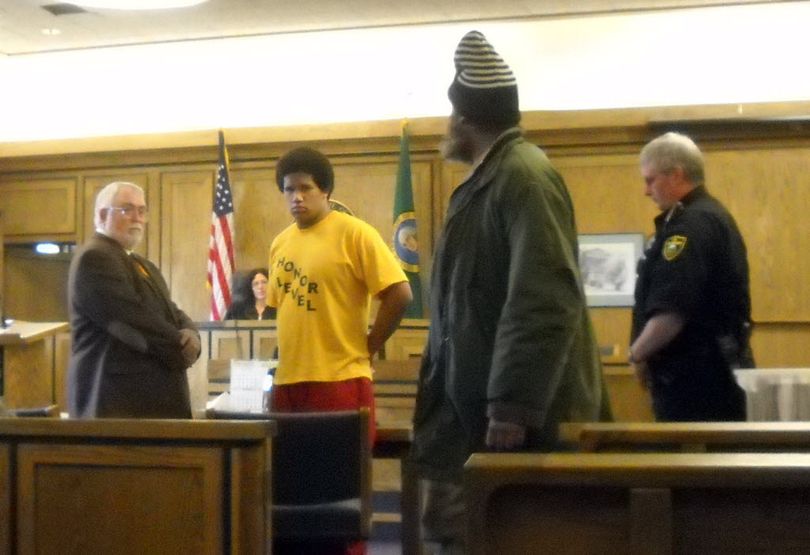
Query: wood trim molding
pixel 576 129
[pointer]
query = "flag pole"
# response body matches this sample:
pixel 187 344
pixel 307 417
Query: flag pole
pixel 405 237
pixel 221 242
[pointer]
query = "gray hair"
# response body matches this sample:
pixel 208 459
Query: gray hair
pixel 105 197
pixel 674 150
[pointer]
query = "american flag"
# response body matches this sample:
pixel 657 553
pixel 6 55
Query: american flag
pixel 220 246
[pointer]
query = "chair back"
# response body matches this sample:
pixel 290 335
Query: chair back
pixel 321 457
pixel 321 474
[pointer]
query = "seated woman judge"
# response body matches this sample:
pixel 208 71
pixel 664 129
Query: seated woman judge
pixel 250 298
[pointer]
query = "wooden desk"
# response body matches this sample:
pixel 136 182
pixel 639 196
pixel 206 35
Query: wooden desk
pixel 28 378
pixel 694 436
pixel 394 399
pixel 639 503
pixel 394 441
pixel 134 486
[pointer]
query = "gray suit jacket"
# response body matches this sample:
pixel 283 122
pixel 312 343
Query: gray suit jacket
pixel 126 359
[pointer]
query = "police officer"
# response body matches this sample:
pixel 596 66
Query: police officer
pixel 691 319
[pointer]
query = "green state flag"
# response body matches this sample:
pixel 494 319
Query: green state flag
pixel 406 246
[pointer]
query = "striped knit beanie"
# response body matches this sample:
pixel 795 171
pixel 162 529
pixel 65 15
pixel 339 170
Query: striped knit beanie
pixel 484 89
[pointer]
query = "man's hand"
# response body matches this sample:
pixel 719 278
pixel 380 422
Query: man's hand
pixel 502 436
pixel 190 345
pixel 658 332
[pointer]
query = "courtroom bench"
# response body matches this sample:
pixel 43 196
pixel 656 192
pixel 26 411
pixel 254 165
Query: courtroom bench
pixel 689 436
pixel 642 503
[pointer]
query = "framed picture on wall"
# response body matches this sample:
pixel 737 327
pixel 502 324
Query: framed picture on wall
pixel 608 265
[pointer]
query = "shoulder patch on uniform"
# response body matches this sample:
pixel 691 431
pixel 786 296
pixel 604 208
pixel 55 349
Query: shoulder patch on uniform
pixel 673 247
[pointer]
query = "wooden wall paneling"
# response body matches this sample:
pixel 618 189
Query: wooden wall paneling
pixel 768 192
pixel 578 128
pixel 186 226
pixel 406 342
pixel 761 176
pixel 93 183
pixel 85 225
pixel 629 401
pixel 37 207
pixel 781 345
pixel 366 186
pixel 452 175
pixel 154 198
pixel 264 342
pixel 607 192
pixel 36 285
pixel 260 214
pixel 170 499
pixel 230 344
pixel 608 196
pixel 612 328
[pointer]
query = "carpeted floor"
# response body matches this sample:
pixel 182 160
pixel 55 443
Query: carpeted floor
pixel 385 536
pixel 384 548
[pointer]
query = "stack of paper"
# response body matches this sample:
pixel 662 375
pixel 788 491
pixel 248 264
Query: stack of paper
pixel 247 385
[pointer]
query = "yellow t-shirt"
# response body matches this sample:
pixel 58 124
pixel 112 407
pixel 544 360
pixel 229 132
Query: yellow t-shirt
pixel 322 279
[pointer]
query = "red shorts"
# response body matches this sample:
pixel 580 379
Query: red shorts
pixel 325 396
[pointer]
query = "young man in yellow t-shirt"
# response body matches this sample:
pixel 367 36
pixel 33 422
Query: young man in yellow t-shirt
pixel 324 269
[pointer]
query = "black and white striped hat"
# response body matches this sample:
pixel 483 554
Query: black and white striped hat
pixel 484 89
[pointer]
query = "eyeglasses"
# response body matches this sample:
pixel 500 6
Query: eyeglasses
pixel 130 210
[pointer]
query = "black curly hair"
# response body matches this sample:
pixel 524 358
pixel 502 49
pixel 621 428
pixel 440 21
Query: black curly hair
pixel 306 160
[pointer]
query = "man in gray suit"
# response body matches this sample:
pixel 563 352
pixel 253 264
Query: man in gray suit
pixel 131 345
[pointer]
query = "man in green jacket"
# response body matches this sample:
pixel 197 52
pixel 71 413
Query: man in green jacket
pixel 511 351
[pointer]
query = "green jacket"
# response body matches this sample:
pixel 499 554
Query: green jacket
pixel 510 335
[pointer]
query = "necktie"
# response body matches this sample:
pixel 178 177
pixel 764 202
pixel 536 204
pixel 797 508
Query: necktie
pixel 152 286
pixel 140 267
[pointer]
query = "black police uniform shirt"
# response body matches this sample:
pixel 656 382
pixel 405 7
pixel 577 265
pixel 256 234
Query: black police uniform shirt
pixel 696 267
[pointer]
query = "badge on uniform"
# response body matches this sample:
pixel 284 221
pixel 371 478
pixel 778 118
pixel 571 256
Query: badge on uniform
pixel 673 247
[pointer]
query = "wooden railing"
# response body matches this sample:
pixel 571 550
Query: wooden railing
pixel 648 503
